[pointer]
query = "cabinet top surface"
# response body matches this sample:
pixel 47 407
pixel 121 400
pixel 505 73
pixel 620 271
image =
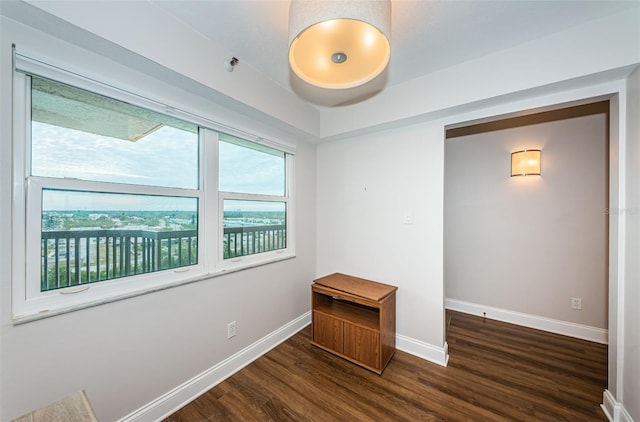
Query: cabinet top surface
pixel 358 286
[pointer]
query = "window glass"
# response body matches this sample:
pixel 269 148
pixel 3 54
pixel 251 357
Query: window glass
pixel 252 227
pixel 82 135
pixel 247 167
pixel 89 237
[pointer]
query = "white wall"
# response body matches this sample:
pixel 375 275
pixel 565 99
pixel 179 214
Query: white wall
pixel 405 167
pixel 587 50
pixel 136 359
pixel 598 45
pixel 529 244
pixel 365 187
pixel 142 29
pixel 127 353
pixel 631 354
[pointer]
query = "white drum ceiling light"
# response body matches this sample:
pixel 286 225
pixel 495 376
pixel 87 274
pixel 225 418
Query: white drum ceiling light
pixel 339 44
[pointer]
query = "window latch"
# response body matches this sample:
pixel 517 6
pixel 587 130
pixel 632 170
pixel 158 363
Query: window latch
pixel 74 290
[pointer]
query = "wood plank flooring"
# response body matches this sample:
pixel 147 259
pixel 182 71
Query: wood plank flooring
pixel 496 372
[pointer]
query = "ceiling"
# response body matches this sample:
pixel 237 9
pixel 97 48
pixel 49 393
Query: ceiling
pixel 426 35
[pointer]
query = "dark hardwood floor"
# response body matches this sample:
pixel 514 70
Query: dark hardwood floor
pixel 496 372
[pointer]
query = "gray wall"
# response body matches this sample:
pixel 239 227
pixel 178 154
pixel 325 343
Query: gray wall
pixel 366 187
pixel 529 244
pixel 128 353
pixel 131 352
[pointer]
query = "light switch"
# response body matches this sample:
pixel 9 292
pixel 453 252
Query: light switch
pixel 408 216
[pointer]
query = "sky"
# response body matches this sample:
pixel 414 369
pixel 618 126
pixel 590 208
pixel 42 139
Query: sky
pixel 166 157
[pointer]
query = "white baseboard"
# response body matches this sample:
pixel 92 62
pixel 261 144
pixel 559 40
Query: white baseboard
pixel 439 355
pixel 608 405
pixel 614 410
pixel 175 399
pixel 584 332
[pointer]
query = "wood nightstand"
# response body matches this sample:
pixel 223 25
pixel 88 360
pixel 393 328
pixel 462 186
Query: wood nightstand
pixel 355 319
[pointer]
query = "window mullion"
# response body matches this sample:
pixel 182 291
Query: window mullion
pixel 21 135
pixel 253 197
pixel 209 185
pixel 91 186
pixel 290 193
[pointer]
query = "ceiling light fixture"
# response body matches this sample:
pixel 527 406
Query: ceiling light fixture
pixel 339 44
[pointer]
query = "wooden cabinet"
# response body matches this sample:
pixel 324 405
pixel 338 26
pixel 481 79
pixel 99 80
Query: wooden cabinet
pixel 355 319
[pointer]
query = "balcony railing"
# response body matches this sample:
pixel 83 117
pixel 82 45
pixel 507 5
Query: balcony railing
pixel 86 256
pixel 240 241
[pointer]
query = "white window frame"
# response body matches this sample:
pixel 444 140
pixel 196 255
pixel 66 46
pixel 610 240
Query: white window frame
pixel 28 302
pixel 244 261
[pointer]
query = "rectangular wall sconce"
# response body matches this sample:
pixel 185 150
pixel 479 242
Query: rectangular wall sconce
pixel 525 163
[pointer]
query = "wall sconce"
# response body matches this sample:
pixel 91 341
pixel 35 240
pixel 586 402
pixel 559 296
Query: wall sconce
pixel 525 163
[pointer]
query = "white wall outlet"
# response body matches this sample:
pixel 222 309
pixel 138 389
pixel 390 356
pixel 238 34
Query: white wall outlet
pixel 231 329
pixel 576 303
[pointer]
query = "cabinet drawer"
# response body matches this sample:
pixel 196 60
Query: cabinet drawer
pixel 327 331
pixel 362 345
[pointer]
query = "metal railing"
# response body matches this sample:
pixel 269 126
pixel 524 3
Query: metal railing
pixel 86 256
pixel 241 241
pixel 74 257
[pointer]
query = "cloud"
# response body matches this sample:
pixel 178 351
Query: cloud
pixel 245 170
pixel 167 157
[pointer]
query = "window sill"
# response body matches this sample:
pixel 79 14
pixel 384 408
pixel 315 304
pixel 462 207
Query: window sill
pixel 29 317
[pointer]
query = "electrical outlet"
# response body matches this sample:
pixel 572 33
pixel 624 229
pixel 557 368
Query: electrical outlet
pixel 576 303
pixel 231 329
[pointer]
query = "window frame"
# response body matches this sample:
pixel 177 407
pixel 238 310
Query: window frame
pixel 28 302
pixel 244 261
pixel 269 256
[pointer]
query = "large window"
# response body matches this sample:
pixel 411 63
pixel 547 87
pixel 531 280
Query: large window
pixel 253 197
pixel 107 148
pixel 89 237
pixel 120 199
